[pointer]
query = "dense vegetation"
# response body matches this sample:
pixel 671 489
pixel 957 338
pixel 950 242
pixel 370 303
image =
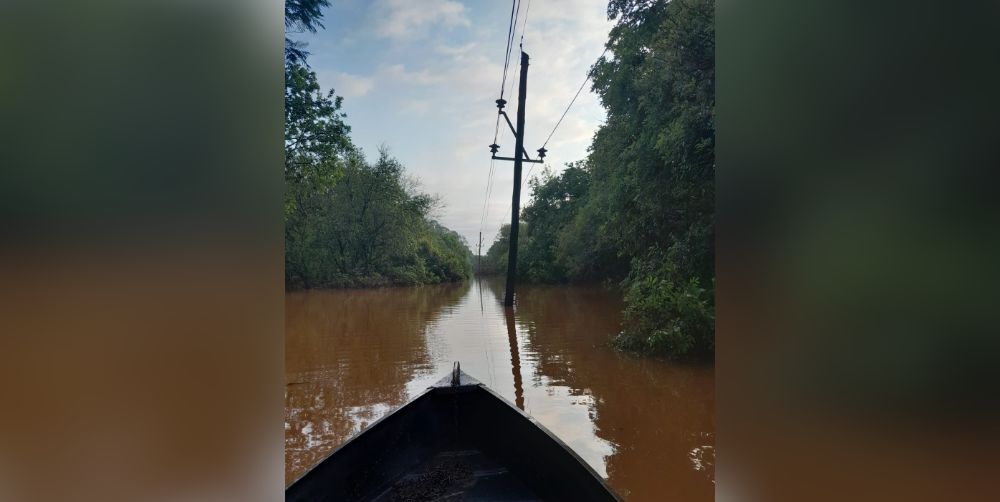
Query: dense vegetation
pixel 350 221
pixel 639 210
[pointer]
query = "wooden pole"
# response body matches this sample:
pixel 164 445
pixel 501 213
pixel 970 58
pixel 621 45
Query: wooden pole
pixel 515 203
pixel 479 256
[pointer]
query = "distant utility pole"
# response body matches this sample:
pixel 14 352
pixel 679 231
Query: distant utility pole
pixel 520 155
pixel 479 256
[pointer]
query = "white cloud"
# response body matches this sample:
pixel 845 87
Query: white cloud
pixel 459 50
pixel 417 106
pixel 345 84
pixel 399 73
pixel 408 19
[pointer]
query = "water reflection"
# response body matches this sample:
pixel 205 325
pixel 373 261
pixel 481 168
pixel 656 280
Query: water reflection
pixel 352 356
pixel 515 357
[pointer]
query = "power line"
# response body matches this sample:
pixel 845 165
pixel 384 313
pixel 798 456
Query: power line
pixel 515 9
pixel 510 40
pixel 511 28
pixel 516 69
pixel 528 177
pixel 510 48
pixel 486 200
pixel 511 33
pixel 489 182
pixel 524 25
pixel 573 100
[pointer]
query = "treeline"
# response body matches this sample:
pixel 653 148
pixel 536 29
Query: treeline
pixel 350 221
pixel 639 210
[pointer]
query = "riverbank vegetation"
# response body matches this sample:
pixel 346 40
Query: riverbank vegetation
pixel 638 211
pixel 350 221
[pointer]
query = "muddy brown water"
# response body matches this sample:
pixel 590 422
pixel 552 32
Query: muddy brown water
pixel 351 356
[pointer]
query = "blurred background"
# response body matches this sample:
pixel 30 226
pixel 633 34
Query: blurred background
pixel 857 222
pixel 141 192
pixel 141 313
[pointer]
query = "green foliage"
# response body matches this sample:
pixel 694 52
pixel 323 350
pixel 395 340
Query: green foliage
pixel 557 241
pixel 301 16
pixel 445 254
pixel 555 202
pixel 639 210
pixel 372 228
pixel 316 140
pixel 495 261
pixel 667 311
pixel 350 222
pixel 304 14
pixel 317 147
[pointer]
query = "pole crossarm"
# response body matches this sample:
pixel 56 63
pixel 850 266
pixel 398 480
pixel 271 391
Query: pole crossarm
pixel 524 151
pixel 509 124
pixel 525 159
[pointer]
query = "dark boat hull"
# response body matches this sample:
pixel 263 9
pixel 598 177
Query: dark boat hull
pixel 452 442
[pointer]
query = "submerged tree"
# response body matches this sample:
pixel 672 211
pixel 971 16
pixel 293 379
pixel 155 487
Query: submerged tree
pixel 655 159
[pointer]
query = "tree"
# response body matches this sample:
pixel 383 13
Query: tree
pixel 317 147
pixel 495 261
pixel 655 156
pixel 349 222
pixel 556 200
pixel 300 16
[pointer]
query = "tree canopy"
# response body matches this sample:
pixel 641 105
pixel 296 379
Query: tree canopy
pixel 348 221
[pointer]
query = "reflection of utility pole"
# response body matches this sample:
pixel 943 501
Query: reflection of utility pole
pixel 520 155
pixel 515 358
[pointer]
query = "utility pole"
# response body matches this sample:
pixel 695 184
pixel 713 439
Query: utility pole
pixel 520 155
pixel 515 202
pixel 479 256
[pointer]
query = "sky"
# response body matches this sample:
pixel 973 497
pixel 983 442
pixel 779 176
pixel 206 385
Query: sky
pixel 421 78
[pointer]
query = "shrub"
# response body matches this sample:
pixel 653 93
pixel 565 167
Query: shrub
pixel 666 314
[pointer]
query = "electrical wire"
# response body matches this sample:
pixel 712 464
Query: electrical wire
pixel 511 34
pixel 510 39
pixel 573 100
pixel 510 51
pixel 524 25
pixel 515 9
pixel 486 200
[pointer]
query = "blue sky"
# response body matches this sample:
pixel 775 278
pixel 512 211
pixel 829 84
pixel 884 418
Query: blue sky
pixel 421 77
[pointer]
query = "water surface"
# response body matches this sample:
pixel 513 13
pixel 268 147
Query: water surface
pixel 352 356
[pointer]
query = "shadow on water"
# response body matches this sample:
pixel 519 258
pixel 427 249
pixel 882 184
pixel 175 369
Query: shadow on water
pixel 352 356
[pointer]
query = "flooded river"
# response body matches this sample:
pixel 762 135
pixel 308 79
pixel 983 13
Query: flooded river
pixel 352 356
